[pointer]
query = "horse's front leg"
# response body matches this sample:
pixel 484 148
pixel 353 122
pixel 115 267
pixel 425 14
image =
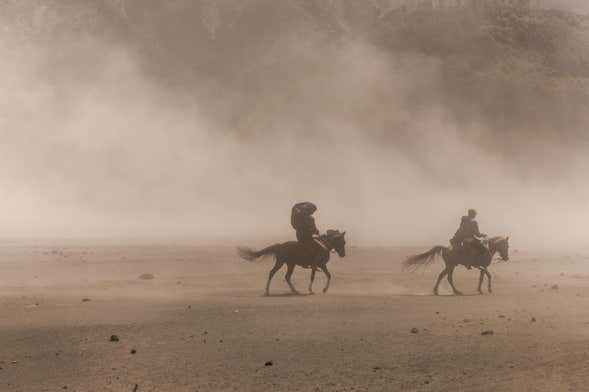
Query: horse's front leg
pixel 313 270
pixel 481 278
pixel 489 279
pixel 328 275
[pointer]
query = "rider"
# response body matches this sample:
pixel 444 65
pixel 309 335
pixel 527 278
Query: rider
pixel 468 234
pixel 302 221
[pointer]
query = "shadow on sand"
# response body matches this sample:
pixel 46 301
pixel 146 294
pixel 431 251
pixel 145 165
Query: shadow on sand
pixel 282 295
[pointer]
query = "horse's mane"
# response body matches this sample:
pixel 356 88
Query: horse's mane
pixel 496 239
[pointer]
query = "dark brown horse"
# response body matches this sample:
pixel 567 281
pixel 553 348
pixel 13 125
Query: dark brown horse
pixel 455 257
pixel 293 253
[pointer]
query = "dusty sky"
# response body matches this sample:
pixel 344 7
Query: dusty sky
pixel 94 146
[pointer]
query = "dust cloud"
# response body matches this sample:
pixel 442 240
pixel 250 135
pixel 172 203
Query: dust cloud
pixel 96 143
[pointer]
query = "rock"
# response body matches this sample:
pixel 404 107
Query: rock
pixel 269 363
pixel 488 332
pixel 86 300
pixel 414 330
pixel 133 351
pixel 533 320
pixel 501 316
pixel 146 276
pixel 554 287
pixel 114 338
pixel 375 368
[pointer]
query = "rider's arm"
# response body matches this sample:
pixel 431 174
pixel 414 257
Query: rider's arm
pixel 476 231
pixel 311 225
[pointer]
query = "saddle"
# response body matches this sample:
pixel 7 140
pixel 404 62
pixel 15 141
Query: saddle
pixel 314 252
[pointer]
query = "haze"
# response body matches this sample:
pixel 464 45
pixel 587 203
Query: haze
pixel 208 133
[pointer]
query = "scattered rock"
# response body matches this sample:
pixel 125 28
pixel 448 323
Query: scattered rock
pixel 414 330
pixel 269 363
pixel 501 316
pixel 376 368
pixel 554 287
pixel 146 276
pixel 114 338
pixel 133 351
pixel 86 300
pixel 488 332
pixel 533 320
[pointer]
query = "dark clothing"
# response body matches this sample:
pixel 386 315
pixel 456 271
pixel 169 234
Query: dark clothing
pixel 306 228
pixel 467 236
pixel 468 231
pixel 303 222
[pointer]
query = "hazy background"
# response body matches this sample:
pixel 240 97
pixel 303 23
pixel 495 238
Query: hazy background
pixel 207 120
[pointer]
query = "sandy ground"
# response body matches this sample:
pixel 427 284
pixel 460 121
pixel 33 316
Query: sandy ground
pixel 202 325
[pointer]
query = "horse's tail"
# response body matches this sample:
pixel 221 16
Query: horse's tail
pixel 423 259
pixel 251 255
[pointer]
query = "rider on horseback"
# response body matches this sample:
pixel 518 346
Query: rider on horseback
pixel 468 234
pixel 302 221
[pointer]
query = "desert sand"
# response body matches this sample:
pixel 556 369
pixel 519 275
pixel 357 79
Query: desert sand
pixel 202 324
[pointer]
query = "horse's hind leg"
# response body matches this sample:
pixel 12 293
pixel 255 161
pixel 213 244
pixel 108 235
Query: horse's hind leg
pixel 274 269
pixel 289 272
pixel 481 278
pixel 451 281
pixel 313 270
pixel 440 277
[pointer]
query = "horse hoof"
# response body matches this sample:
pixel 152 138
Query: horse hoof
pixel 311 292
pixel 266 294
pixel 458 293
pixel 490 291
pixel 324 291
pixel 436 292
pixel 480 292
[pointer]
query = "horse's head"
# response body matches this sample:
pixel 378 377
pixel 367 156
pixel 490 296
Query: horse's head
pixel 337 241
pixel 500 245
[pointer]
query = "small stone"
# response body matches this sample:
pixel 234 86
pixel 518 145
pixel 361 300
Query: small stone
pixel 86 300
pixel 533 320
pixel 114 338
pixel 269 363
pixel 146 276
pixel 554 287
pixel 488 332
pixel 414 330
pixel 133 351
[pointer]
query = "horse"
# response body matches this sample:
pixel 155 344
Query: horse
pixel 293 253
pixel 455 257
